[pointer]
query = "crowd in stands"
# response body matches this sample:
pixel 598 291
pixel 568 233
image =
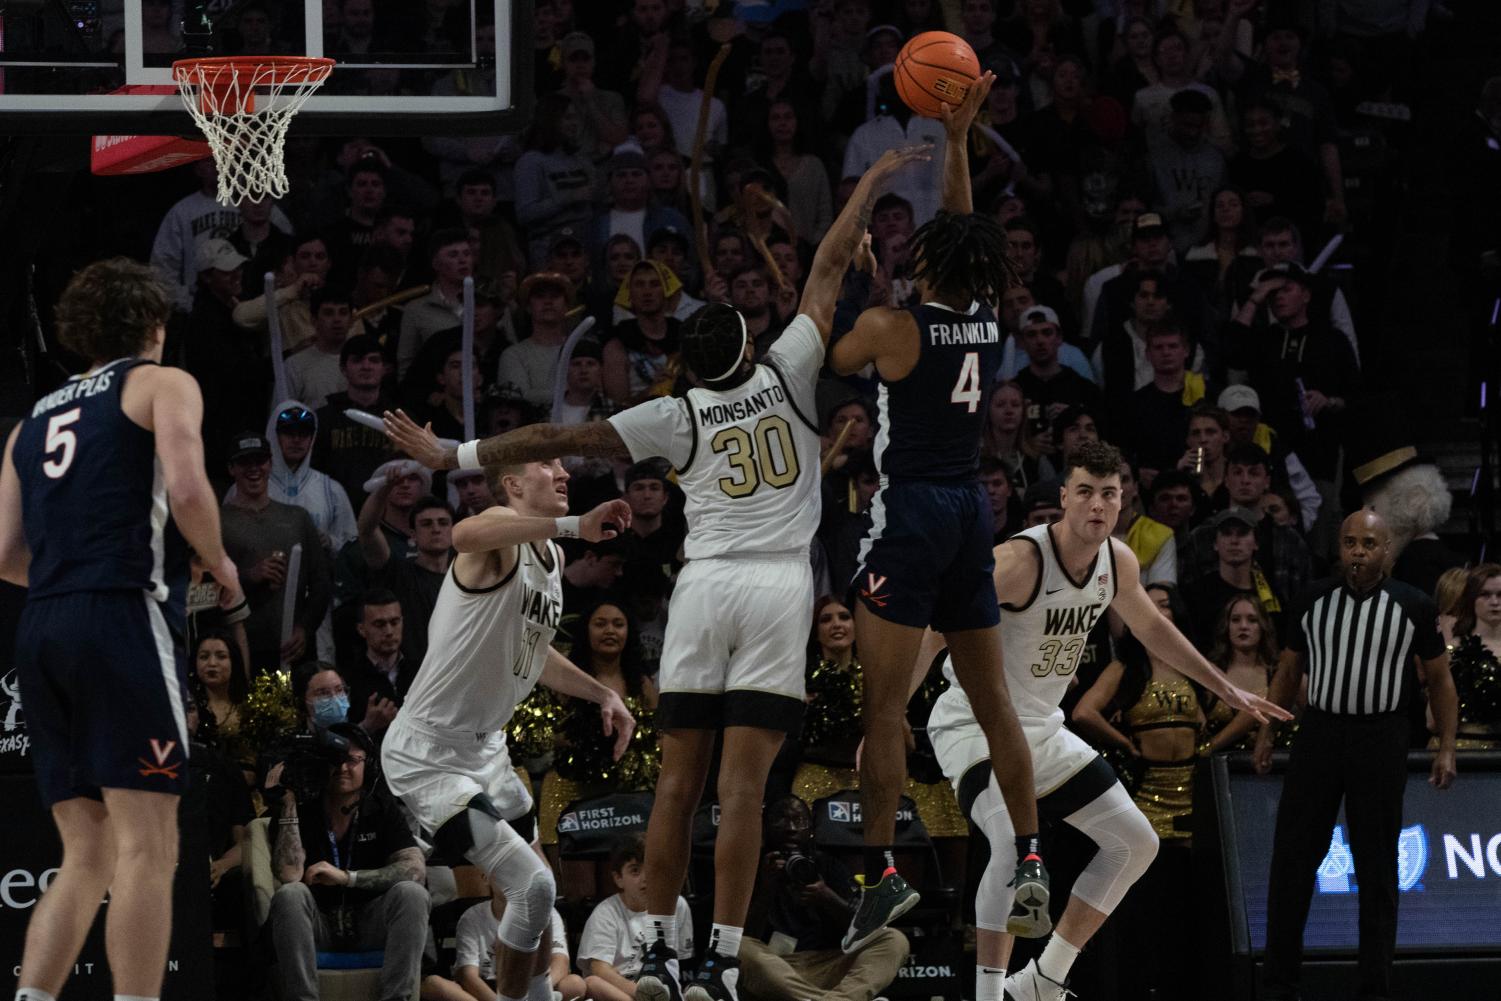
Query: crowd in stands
pixel 1165 174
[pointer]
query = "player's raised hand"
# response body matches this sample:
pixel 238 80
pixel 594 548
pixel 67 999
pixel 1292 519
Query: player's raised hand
pixel 1264 710
pixel 606 521
pixel 957 120
pixel 418 442
pixel 617 722
pixel 893 160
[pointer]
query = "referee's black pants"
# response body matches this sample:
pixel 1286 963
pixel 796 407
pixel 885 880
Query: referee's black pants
pixel 1362 759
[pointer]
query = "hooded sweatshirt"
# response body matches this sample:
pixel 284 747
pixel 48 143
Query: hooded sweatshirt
pixel 316 493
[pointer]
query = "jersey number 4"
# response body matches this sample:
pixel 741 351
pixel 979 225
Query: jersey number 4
pixel 765 455
pixel 967 388
pixel 1058 657
pixel 63 441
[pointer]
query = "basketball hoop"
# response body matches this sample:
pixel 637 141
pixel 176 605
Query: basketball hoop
pixel 248 137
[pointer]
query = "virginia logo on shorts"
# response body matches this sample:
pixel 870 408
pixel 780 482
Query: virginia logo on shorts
pixel 872 591
pixel 161 751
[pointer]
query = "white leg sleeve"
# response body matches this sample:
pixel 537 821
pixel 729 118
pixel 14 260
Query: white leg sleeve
pixel 523 878
pixel 994 896
pixel 1127 846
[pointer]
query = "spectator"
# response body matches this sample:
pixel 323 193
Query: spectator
pixel 796 899
pixel 219 799
pixel 977 27
pixel 1151 108
pixel 584 398
pixel 1279 180
pixel 1243 404
pixel 415 581
pixel 669 181
pixel 350 234
pixel 602 119
pixel 447 415
pixel 396 230
pixel 1001 495
pixel 470 492
pixel 1016 302
pixel 381 674
pixel 300 275
pixel 413 482
pixel 222 680
pixel 1011 439
pixel 442 308
pixel 591 571
pixel 530 366
pixel 653 538
pixel 1134 69
pixel 1303 370
pixel 1245 648
pixel 1229 239
pixel 894 126
pixel 346 450
pixel 1158 423
pixel 996 172
pixel 566 255
pixel 259 533
pixel 622 253
pixel 634 363
pixel 783 79
pixel 631 212
pixel 1282 243
pixel 262 239
pixel 554 183
pixel 1039 32
pixel 316 372
pixel 474 955
pixel 1186 169
pixel 227 361
pixel 651 129
pixel 786 145
pixel 1048 385
pixel 637 53
pixel 375 280
pixel 1024 251
pixel 191 222
pixel 1475 660
pixel 1107 293
pixel 1040 504
pixel 1235 573
pixel 878 50
pixel 1170 500
pixel 205 613
pixel 1149 539
pixel 1120 361
pixel 609 951
pixel 348 875
pixel 1208 438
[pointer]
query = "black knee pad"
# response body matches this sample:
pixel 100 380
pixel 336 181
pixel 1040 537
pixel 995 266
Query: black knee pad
pixel 456 836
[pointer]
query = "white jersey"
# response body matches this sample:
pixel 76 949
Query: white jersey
pixel 487 646
pixel 747 458
pixel 1041 641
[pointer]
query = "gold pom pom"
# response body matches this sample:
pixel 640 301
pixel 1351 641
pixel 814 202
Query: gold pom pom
pixel 268 712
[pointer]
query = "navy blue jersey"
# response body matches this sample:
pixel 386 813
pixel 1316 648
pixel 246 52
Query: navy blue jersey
pixel 931 420
pixel 93 502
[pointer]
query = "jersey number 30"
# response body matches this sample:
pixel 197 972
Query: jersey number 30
pixel 967 387
pixel 61 439
pixel 765 455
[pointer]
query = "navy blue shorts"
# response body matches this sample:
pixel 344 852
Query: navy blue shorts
pixel 927 559
pixel 102 676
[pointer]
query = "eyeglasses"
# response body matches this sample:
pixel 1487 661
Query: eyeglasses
pixel 321 693
pixel 354 759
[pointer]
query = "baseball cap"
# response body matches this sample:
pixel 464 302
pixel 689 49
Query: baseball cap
pixel 1040 495
pixel 1293 272
pixel 1039 314
pixel 667 234
pixel 576 41
pixel 588 347
pixel 882 29
pixel 562 238
pixel 1191 100
pixel 626 159
pixel 248 443
pixel 1234 515
pixel 1147 224
pixel 219 255
pixel 359 346
pixel 646 469
pixel 1239 398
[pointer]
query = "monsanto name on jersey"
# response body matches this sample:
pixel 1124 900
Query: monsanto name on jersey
pixel 1071 621
pixel 540 607
pixel 725 413
pixel 977 332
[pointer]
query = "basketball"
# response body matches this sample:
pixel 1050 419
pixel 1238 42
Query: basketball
pixel 933 69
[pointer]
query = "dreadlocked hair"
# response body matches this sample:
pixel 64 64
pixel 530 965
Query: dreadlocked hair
pixel 964 256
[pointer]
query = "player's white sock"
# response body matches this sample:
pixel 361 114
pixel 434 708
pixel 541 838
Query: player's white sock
pixel 33 994
pixel 990 983
pixel 1057 958
pixel 540 989
pixel 725 940
pixel 663 926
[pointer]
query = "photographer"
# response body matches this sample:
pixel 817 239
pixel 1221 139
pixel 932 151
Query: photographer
pixel 349 875
pixel 801 909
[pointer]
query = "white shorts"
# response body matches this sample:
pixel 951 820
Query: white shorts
pixel 436 774
pixel 1058 754
pixel 736 645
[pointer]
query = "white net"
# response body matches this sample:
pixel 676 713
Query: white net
pixel 244 107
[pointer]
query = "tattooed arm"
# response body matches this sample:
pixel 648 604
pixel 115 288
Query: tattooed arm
pixel 404 866
pixel 287 856
pixel 826 275
pixel 531 443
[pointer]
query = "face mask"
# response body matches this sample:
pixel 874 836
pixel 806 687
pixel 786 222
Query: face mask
pixel 330 709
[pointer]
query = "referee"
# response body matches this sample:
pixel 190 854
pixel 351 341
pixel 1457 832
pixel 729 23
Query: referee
pixel 1357 636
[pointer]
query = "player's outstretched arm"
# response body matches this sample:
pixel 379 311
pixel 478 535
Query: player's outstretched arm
pixel 531 443
pixel 15 556
pixel 501 528
pixel 562 676
pixel 957 197
pixel 826 275
pixel 1161 637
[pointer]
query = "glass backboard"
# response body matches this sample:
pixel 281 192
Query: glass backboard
pixel 104 66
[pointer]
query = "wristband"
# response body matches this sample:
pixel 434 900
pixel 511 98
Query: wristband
pixel 351 878
pixel 468 455
pixel 567 527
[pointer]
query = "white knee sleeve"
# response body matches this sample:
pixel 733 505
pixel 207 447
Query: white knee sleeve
pixel 522 877
pixel 1127 846
pixel 994 896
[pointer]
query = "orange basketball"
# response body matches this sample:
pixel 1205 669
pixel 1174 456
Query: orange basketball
pixel 933 69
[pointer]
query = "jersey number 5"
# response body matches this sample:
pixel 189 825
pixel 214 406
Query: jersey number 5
pixel 967 388
pixel 753 457
pixel 61 439
pixel 1058 657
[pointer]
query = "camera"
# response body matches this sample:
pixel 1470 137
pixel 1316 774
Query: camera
pixel 310 759
pixel 801 870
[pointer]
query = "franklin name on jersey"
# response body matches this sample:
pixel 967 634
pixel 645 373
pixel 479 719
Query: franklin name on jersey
pixel 975 332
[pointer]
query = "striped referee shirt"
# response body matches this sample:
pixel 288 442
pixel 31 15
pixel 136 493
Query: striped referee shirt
pixel 1359 648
